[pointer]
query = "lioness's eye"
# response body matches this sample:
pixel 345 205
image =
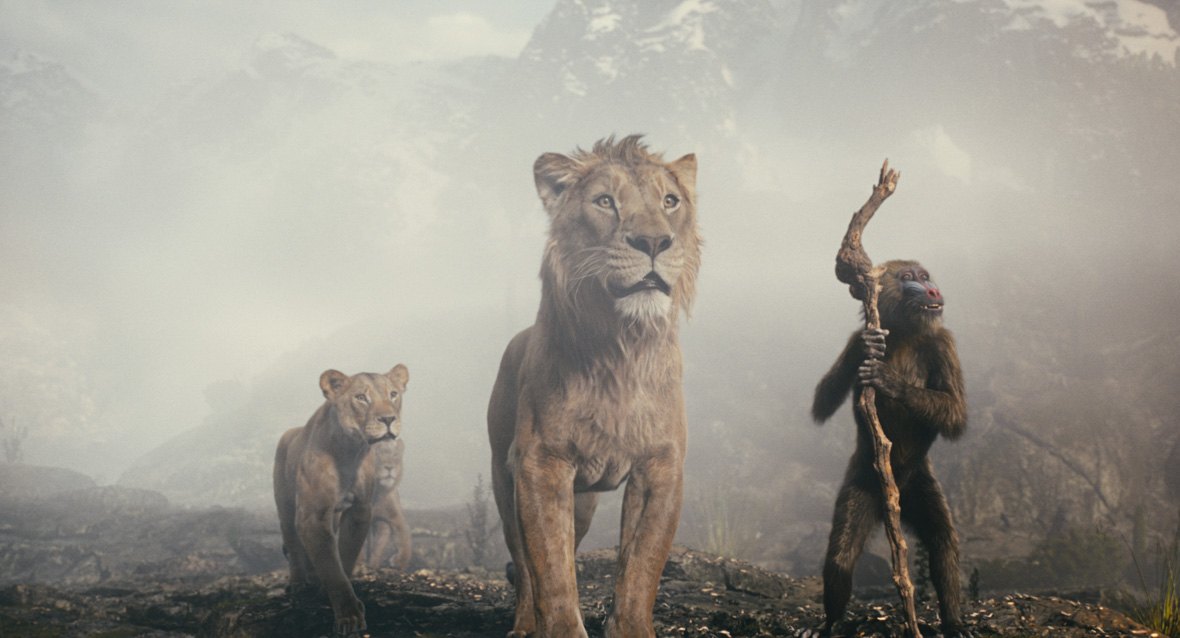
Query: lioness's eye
pixel 362 397
pixel 393 395
pixel 671 201
pixel 604 201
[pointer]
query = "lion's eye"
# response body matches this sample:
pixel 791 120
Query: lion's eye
pixel 362 397
pixel 393 395
pixel 604 201
pixel 671 201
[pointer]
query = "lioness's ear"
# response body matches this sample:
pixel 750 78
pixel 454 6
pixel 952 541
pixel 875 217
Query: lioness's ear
pixel 331 381
pixel 685 170
pixel 553 173
pixel 399 374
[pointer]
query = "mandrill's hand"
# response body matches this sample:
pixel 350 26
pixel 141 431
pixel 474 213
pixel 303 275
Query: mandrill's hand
pixel 873 372
pixel 873 342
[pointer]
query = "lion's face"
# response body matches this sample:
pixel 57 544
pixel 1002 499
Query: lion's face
pixel 368 405
pixel 623 222
pixel 388 456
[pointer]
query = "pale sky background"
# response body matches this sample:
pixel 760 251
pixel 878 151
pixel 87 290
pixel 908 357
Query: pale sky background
pixel 136 46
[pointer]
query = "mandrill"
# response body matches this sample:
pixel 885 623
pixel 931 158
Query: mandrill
pixel 912 363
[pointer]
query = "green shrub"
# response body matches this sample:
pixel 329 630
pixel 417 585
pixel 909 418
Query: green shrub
pixel 1159 608
pixel 728 522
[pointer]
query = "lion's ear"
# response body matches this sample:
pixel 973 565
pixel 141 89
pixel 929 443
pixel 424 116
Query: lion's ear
pixel 553 173
pixel 331 381
pixel 400 374
pixel 685 170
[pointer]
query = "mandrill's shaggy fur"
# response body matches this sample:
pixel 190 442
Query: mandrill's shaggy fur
pixel 590 396
pixel 324 483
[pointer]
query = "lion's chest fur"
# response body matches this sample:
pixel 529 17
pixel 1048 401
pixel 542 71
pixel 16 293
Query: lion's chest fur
pixel 604 427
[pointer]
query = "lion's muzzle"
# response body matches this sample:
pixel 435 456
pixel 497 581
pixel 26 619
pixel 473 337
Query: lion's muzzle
pixel 650 281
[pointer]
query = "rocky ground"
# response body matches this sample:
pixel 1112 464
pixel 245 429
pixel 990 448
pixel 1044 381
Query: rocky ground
pixel 116 562
pixel 700 595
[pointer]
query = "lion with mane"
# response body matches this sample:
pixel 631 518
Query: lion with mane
pixel 590 396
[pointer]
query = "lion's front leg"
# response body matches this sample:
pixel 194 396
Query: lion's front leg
pixel 651 512
pixel 545 515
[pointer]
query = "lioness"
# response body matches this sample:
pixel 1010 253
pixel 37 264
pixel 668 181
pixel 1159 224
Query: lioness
pixel 324 483
pixel 590 395
pixel 388 518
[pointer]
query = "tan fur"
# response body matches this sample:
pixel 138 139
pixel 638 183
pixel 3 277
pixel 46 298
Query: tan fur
pixel 324 484
pixel 590 395
pixel 389 521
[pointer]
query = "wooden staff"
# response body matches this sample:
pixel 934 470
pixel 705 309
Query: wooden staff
pixel 854 268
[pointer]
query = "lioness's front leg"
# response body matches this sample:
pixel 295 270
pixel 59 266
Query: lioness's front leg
pixel 545 515
pixel 354 528
pixel 313 524
pixel 651 512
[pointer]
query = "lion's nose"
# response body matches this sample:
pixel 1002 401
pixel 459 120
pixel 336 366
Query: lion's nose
pixel 651 246
pixel 387 420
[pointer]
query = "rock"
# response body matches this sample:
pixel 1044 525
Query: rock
pixel 752 580
pixel 22 481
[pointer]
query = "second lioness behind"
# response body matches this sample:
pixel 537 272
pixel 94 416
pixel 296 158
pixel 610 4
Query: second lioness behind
pixel 389 521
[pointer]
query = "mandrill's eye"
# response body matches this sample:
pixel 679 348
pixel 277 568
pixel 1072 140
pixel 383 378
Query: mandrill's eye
pixel 362 397
pixel 907 276
pixel 604 201
pixel 671 201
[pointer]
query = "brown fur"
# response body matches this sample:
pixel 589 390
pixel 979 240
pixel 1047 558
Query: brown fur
pixel 324 484
pixel 920 396
pixel 590 395
pixel 389 521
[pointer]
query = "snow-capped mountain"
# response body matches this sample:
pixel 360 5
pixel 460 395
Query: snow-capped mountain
pixel 671 65
pixel 39 94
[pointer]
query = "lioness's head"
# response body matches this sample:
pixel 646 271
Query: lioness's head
pixel 623 228
pixel 388 456
pixel 368 405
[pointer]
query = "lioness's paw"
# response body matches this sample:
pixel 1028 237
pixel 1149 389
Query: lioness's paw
pixel 351 621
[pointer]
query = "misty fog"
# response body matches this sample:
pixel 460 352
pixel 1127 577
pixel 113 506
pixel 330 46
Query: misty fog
pixel 195 222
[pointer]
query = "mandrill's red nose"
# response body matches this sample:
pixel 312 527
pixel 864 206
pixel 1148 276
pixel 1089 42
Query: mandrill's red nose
pixel 933 293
